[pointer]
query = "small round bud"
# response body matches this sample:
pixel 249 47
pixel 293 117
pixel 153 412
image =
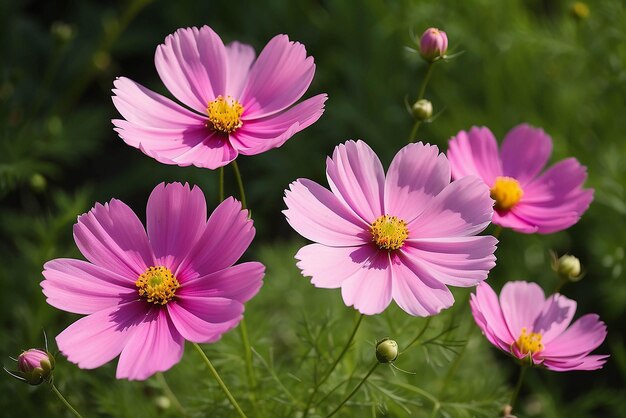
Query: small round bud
pixel 433 44
pixel 568 268
pixel 62 32
pixel 163 402
pixel 386 350
pixel 38 182
pixel 579 10
pixel 422 109
pixel 35 366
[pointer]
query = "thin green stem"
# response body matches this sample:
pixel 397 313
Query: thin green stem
pixel 220 187
pixel 242 193
pixel 414 129
pixel 332 368
pixel 170 393
pixel 518 386
pixel 559 285
pixel 419 334
pixel 420 96
pixel 220 382
pixel 62 398
pixel 435 410
pixel 355 390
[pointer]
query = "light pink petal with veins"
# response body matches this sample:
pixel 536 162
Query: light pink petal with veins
pixel 522 303
pixel 475 153
pixel 329 267
pixel 369 288
pixel 240 58
pixel 239 282
pixel 555 317
pixel 584 336
pixel 524 152
pixel 489 317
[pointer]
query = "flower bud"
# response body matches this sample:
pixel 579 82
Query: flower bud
pixel 422 109
pixel 433 44
pixel 579 10
pixel 34 366
pixel 568 268
pixel 386 350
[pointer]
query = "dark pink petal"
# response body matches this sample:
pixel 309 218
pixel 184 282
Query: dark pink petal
pixel 584 336
pixel 356 177
pixel 277 79
pixel 462 261
pixel 555 317
pixel 524 152
pixel 329 267
pixel 259 135
pixel 84 288
pixel 192 63
pixel 521 303
pixel 176 216
pixel 111 236
pixel 475 153
pixel 227 235
pixel 155 346
pixel 204 319
pixel 316 214
pixel 509 219
pixel 463 208
pixel 240 59
pixel 417 173
pixel 416 290
pixel 240 282
pixel 489 317
pixel 98 338
pixel 369 288
pixel 584 363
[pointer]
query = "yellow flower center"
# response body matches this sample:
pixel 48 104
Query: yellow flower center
pixel 389 232
pixel 529 343
pixel 506 192
pixel 157 285
pixel 225 114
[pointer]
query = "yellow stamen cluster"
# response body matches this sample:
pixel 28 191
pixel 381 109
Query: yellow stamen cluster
pixel 157 285
pixel 224 114
pixel 389 232
pixel 529 343
pixel 506 192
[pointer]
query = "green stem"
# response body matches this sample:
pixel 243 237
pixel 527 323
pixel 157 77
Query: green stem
pixel 559 285
pixel 355 390
pixel 518 386
pixel 436 406
pixel 220 382
pixel 420 96
pixel 220 187
pixel 414 129
pixel 332 368
pixel 419 334
pixel 242 193
pixel 170 394
pixel 62 398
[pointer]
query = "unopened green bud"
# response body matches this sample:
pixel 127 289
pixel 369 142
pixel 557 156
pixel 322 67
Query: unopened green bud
pixel 568 268
pixel 38 182
pixel 386 350
pixel 422 109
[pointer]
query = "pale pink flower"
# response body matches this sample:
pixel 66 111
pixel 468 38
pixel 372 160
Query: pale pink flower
pixel 433 44
pixel 526 325
pixel 403 237
pixel 144 294
pixel 527 200
pixel 235 104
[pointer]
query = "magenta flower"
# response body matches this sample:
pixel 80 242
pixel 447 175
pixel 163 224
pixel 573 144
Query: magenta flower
pixel 403 237
pixel 532 328
pixel 145 294
pixel 526 201
pixel 433 44
pixel 239 105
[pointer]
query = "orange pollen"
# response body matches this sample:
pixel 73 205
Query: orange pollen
pixel 224 114
pixel 506 192
pixel 157 285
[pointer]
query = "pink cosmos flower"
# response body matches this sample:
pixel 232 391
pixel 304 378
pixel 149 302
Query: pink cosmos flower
pixel 403 237
pixel 532 328
pixel 239 105
pixel 526 201
pixel 144 294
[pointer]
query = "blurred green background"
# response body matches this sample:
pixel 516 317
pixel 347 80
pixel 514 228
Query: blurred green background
pixel 542 62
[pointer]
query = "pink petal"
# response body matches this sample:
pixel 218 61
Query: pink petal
pixel 369 289
pixel 227 235
pixel 555 317
pixel 475 153
pixel 316 214
pixel 463 208
pixel 525 151
pixel 240 58
pixel 278 78
pixel 240 282
pixel 584 363
pixel 584 336
pixel 417 173
pixel 155 346
pixel 329 267
pixel 111 236
pixel 462 261
pixel 176 216
pixel 416 290
pixel 489 317
pixel 522 303
pixel 98 338
pixel 356 177
pixel 192 63
pixel 259 135
pixel 509 219
pixel 84 288
pixel 204 319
